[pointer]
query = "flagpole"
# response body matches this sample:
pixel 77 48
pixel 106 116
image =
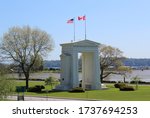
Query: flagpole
pixel 72 21
pixel 85 26
pixel 74 30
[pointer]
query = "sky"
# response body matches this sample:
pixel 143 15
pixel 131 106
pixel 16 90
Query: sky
pixel 124 24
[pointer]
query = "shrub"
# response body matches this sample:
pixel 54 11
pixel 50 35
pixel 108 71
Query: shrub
pixel 123 87
pixel 127 88
pixel 77 89
pixel 37 88
pixel 119 85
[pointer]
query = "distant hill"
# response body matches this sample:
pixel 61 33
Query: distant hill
pixel 133 62
pixel 137 62
pixel 50 64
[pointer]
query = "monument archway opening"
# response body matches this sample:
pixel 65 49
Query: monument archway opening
pixel 80 69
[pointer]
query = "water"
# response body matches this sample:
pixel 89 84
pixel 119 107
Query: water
pixel 143 75
pixel 39 75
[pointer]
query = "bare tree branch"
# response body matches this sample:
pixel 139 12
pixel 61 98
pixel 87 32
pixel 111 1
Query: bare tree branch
pixel 24 45
pixel 109 56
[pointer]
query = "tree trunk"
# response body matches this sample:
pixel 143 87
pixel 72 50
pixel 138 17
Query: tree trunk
pixel 124 79
pixel 26 73
pixel 27 83
pixel 101 75
pixel 27 80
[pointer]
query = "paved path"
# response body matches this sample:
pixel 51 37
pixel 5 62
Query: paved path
pixel 29 98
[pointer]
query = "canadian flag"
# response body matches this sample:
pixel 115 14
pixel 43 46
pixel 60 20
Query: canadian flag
pixel 81 17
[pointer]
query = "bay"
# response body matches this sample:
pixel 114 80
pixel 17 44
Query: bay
pixel 143 75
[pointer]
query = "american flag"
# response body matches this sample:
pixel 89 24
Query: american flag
pixel 70 20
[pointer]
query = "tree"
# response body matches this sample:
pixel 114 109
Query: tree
pixel 38 65
pixel 109 57
pixel 124 71
pixel 3 69
pixel 23 45
pixel 6 87
pixel 136 79
pixel 50 81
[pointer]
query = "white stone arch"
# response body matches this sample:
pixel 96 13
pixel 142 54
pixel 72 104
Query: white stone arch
pixel 90 65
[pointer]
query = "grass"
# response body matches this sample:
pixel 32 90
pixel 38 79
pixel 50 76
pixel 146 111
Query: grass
pixel 33 83
pixel 142 94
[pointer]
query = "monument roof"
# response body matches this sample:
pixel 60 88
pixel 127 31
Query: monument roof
pixel 82 43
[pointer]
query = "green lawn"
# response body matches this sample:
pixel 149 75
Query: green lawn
pixel 33 83
pixel 142 94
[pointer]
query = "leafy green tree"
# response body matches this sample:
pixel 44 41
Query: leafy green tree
pixel 3 69
pixel 6 87
pixel 50 81
pixel 136 79
pixel 23 45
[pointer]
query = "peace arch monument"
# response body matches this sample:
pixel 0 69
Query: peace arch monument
pixel 90 65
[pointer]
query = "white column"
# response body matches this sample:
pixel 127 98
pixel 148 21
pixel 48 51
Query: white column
pixel 96 81
pixel 83 70
pixel 75 79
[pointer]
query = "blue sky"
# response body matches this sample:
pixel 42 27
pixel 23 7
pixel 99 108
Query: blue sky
pixel 124 24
